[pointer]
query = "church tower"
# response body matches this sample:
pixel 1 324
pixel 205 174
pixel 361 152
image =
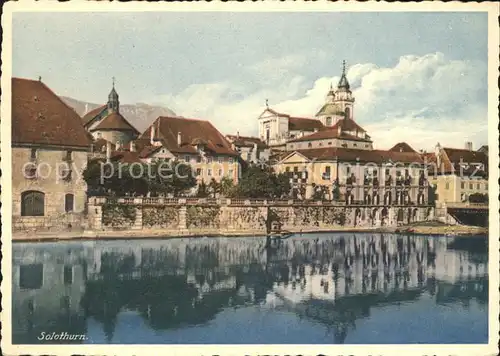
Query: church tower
pixel 343 95
pixel 339 103
pixel 113 102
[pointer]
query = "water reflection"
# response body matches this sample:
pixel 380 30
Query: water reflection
pixel 333 280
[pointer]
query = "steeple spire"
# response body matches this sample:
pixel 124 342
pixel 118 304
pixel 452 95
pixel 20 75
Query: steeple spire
pixel 343 83
pixel 113 99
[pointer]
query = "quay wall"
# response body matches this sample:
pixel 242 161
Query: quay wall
pixel 213 216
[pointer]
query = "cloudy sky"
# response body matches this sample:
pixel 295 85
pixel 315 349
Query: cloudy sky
pixel 416 77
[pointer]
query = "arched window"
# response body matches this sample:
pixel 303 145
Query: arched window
pixel 328 121
pixel 32 203
pixel 348 112
pixel 69 202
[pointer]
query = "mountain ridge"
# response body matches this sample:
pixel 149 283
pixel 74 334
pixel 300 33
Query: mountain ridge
pixel 140 115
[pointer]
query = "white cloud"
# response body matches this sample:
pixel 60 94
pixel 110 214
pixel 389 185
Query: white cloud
pixel 421 100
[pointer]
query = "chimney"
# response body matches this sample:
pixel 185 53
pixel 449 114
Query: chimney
pixel 179 139
pixel 237 134
pixel 468 146
pixel 152 134
pixel 108 151
pixel 132 146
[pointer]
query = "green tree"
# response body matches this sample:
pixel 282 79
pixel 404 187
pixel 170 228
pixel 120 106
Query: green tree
pixel 227 187
pixel 259 182
pixel 157 178
pixel 214 188
pixel 202 190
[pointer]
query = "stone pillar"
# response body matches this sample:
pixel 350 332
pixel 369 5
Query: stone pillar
pixel 138 218
pixel 183 218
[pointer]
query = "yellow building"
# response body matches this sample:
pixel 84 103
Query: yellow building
pixel 455 174
pixel 363 176
pixel 191 141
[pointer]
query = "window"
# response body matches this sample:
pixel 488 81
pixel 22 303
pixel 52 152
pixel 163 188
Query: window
pixel 186 158
pixel 328 121
pixel 31 276
pixel 209 172
pixel 320 144
pixel 199 171
pixel 68 156
pixel 68 274
pixel 447 186
pixel 348 112
pixel 220 159
pixel 33 153
pixel 32 203
pixel 295 169
pixel 348 170
pixel 220 172
pixel 407 172
pixel 309 145
pixel 471 186
pixel 366 145
pixel 249 156
pixel 69 202
pixel 354 145
pixel 329 143
pixel 287 169
pixel 198 159
pixel 230 160
pixel 398 173
pixel 230 172
pixel 387 172
pixel 478 186
pixel 291 146
pixel 375 172
pixel 209 159
pixel 462 185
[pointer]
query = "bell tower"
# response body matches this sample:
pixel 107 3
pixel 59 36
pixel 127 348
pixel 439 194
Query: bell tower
pixel 343 95
pixel 113 100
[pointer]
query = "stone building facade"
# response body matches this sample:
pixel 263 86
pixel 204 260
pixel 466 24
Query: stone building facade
pixel 250 149
pixel 49 148
pixel 455 174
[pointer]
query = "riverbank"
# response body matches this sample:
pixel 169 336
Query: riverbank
pixel 430 228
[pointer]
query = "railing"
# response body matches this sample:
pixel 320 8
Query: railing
pixel 466 205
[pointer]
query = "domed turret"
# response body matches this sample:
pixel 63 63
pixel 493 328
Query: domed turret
pixel 113 102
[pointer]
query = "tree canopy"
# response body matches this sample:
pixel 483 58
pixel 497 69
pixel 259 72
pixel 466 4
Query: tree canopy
pixel 262 182
pixel 136 179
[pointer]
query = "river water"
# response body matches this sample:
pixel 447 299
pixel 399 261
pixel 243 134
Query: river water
pixel 328 288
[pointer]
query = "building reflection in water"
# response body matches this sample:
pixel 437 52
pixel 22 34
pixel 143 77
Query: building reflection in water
pixel 333 280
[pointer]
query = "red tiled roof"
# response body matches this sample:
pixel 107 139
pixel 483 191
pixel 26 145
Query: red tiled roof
pixel 353 155
pixel 348 125
pixel 297 123
pixel 303 124
pixel 114 121
pixel 167 128
pixel 329 133
pixel 39 116
pixel 453 158
pixel 246 141
pixel 402 147
pixel 126 157
pixel 100 143
pixel 92 113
